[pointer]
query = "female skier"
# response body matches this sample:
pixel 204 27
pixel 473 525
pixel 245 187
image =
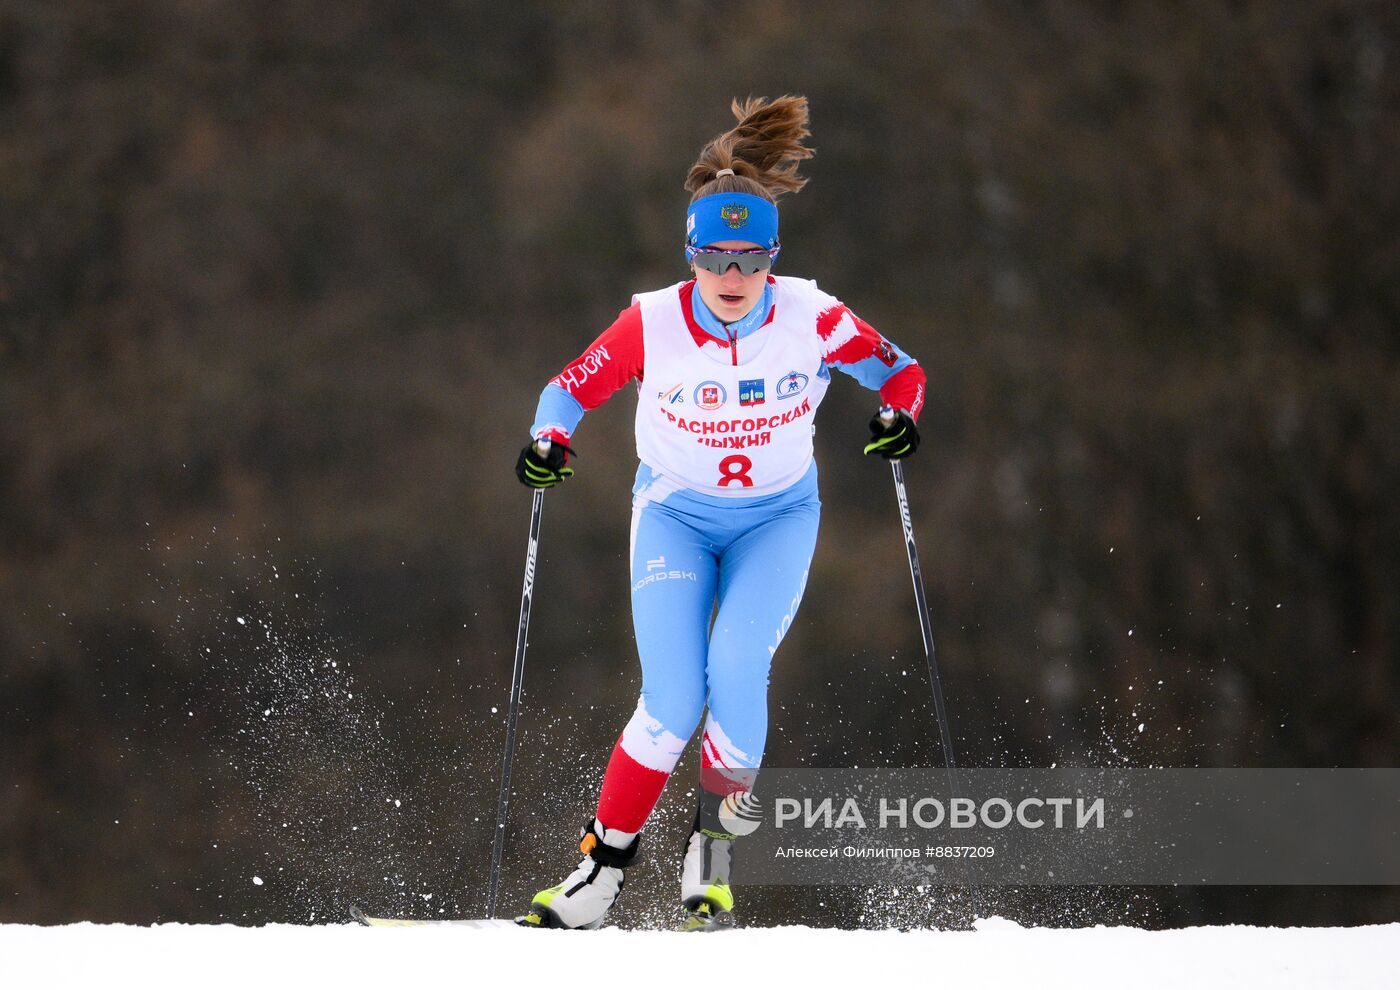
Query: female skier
pixel 731 366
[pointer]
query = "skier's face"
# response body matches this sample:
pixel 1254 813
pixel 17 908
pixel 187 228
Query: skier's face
pixel 730 296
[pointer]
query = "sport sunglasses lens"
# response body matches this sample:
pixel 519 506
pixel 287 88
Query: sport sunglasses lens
pixel 719 261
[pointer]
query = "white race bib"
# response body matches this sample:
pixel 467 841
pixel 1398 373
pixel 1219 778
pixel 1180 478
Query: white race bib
pixel 725 429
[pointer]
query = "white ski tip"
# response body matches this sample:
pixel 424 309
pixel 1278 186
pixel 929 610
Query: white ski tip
pixel 374 922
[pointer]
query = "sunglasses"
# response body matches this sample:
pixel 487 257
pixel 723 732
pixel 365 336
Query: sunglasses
pixel 718 260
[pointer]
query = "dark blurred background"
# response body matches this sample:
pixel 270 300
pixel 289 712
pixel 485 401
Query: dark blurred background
pixel 280 283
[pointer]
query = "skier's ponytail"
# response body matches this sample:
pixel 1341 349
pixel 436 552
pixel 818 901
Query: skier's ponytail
pixel 762 151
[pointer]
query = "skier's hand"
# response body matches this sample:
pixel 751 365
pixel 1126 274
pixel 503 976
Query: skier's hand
pixel 541 464
pixel 893 434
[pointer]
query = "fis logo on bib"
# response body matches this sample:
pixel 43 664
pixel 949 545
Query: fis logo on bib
pixel 673 395
pixel 710 395
pixel 750 391
pixel 791 384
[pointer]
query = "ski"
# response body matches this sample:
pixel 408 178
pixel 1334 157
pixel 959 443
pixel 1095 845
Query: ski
pixel 693 922
pixel 373 922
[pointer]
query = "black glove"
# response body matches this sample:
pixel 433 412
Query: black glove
pixel 543 471
pixel 893 440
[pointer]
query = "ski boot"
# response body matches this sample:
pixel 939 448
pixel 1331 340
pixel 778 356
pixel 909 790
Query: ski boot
pixel 706 897
pixel 584 897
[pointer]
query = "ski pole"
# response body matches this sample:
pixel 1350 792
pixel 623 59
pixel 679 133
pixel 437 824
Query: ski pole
pixel 925 625
pixel 516 677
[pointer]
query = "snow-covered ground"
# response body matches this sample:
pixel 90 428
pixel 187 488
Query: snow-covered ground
pixel 998 953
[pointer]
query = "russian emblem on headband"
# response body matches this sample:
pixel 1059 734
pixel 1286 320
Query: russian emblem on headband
pixel 734 215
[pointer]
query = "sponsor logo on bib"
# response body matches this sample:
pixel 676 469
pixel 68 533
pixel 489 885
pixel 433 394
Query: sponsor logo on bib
pixel 791 384
pixel 710 395
pixel 750 391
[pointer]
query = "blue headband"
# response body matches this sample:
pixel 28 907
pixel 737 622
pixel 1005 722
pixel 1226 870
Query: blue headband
pixel 731 217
